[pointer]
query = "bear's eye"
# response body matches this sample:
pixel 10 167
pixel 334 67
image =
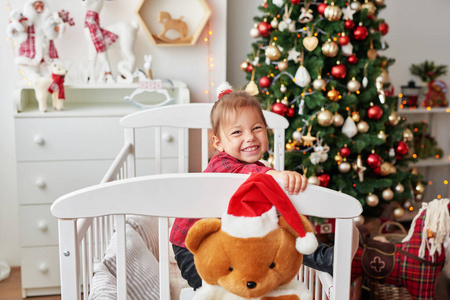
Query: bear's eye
pixel 230 269
pixel 272 265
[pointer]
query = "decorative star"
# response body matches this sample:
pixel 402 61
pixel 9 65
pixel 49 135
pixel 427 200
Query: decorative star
pixel 293 54
pixel 308 139
pixel 348 12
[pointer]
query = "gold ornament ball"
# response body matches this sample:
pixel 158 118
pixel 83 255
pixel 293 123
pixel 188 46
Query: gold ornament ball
pixel 399 188
pixel 356 117
pixel 272 52
pixel 244 66
pixel 372 54
pixel 274 23
pixel 338 120
pixel 313 180
pixel 382 136
pixel 289 146
pixel 362 127
pixel 332 13
pixel 394 118
pixel 408 136
pixel 387 194
pixel 407 204
pixel 333 95
pixel 387 168
pixel 325 118
pixel 419 189
pixel 285 101
pixel 418 197
pixel 383 77
pixel 359 220
pixel 338 157
pixel 355 5
pixel 282 65
pixel 372 200
pixel 371 8
pixel 398 212
pixel 344 167
pixel 353 85
pixel 414 171
pixel 330 48
pixel 319 83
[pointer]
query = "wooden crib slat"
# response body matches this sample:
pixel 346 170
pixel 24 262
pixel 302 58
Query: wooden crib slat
pixel 121 259
pixel 158 160
pixel 131 161
pixel 164 285
pixel 181 150
pixel 69 259
pixel 205 146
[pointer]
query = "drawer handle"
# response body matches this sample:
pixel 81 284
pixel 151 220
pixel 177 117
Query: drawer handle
pixel 42 225
pixel 168 138
pixel 43 268
pixel 39 140
pixel 40 183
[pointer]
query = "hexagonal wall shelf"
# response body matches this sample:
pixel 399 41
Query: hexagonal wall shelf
pixel 173 22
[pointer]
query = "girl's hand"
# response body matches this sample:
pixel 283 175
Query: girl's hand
pixel 293 182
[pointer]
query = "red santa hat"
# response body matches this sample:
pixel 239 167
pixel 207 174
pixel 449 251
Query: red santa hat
pixel 252 212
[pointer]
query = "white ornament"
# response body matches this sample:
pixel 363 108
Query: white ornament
pixel 348 12
pixel 278 3
pixel 297 135
pixel 306 15
pixel 302 77
pixel 282 25
pixel 349 128
pixel 353 85
pixel 355 5
pixel 274 23
pixel 365 82
pixel 347 50
pixel 254 33
pixel 283 88
pixel 319 83
pixel 293 54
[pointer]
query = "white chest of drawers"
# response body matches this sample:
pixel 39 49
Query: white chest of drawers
pixel 58 152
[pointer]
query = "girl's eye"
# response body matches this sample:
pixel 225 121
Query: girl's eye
pixel 230 269
pixel 235 132
pixel 257 128
pixel 272 265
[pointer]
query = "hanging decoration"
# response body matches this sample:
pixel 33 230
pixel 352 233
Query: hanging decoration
pixel 306 14
pixel 330 48
pixel 319 83
pixel 360 32
pixel 310 42
pixel 333 94
pixel 264 28
pixel 339 70
pixel 333 13
pixel 374 112
pixel 338 119
pixel 287 23
pixel 353 85
pixel 371 8
pixel 282 65
pixel 251 87
pixel 349 129
pixel 302 77
pixel 279 108
pixel 325 118
pixel 272 52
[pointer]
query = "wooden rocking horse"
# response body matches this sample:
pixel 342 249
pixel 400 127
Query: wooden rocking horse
pixel 172 24
pixel 416 261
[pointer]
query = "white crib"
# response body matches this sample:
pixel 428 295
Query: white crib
pixel 88 217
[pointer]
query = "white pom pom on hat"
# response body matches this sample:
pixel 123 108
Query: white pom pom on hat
pixel 223 87
pixel 252 212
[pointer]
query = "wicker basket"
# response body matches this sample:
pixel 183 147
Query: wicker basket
pixel 396 237
pixel 390 292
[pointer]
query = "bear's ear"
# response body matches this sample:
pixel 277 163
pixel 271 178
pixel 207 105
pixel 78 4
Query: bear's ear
pixel 306 225
pixel 199 231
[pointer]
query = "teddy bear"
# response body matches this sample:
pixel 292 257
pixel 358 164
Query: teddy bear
pixel 54 84
pixel 17 27
pixel 252 253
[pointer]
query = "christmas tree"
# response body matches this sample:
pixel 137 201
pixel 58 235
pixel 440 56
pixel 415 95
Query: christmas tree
pixel 321 65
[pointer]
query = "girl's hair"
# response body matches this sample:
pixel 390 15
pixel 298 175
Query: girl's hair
pixel 226 108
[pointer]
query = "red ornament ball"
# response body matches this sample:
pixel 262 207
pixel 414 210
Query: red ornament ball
pixel 383 28
pixel 279 108
pixel 250 68
pixel 344 40
pixel 264 29
pixel 360 33
pixel 321 8
pixel 377 170
pixel 295 1
pixel 349 24
pixel 290 112
pixel 264 82
pixel 345 151
pixel 374 160
pixel 352 59
pixel 324 180
pixel 402 148
pixel 375 112
pixel 339 71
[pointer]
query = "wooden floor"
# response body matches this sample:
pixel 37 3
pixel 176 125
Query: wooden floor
pixel 10 288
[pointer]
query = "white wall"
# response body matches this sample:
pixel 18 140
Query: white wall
pixel 418 31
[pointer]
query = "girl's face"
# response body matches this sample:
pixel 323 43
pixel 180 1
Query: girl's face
pixel 244 137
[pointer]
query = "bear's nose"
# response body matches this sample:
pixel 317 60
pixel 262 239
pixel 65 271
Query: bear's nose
pixel 251 284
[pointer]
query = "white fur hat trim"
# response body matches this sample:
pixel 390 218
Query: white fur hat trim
pixel 307 244
pixel 247 227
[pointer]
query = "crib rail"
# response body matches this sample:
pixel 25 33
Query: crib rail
pixel 93 236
